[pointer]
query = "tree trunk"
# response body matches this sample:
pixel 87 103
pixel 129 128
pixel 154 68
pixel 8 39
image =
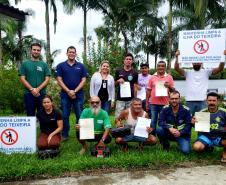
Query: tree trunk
pixel 1 57
pixel 147 57
pixel 117 34
pixel 125 41
pixel 84 29
pixel 48 53
pixel 169 45
pixel 156 58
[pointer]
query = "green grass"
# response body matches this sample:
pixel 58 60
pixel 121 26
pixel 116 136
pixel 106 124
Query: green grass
pixel 23 166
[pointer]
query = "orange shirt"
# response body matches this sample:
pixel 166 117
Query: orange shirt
pixel 162 100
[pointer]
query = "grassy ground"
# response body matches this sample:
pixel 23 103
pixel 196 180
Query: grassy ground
pixel 23 166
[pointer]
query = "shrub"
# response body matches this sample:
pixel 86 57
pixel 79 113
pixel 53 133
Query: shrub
pixel 11 90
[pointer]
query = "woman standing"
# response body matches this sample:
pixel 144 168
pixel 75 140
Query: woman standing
pixel 51 124
pixel 103 85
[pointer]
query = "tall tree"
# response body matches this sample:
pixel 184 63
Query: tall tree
pixel 86 5
pixel 49 4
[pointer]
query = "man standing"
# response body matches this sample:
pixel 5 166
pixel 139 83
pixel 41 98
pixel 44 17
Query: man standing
pixel 143 80
pixel 130 117
pixel 196 83
pixel 102 124
pixel 207 140
pixel 125 75
pixel 34 76
pixel 175 124
pixel 71 77
pixel 154 101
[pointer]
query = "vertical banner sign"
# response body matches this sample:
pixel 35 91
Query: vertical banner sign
pixel 17 135
pixel 205 46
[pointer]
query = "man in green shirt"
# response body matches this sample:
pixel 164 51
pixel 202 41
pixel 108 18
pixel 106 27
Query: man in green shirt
pixel 102 124
pixel 34 76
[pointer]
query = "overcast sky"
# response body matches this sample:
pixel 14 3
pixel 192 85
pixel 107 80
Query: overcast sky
pixel 69 27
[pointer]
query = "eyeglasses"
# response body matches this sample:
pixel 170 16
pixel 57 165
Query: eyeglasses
pixel 95 102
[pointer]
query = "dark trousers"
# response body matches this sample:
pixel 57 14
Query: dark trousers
pixel 32 103
pixel 43 142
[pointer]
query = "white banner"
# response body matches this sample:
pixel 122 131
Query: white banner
pixel 17 135
pixel 206 46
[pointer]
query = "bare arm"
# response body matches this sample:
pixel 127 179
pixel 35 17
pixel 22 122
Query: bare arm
pixel 58 130
pixel 220 67
pixel 123 115
pixel 34 91
pixel 148 95
pixel 177 66
pixel 61 84
pixel 80 85
pixel 25 83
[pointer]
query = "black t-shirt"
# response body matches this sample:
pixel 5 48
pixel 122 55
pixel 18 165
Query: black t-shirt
pixel 103 92
pixel 129 76
pixel 48 122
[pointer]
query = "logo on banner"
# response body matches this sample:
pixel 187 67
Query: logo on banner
pixel 9 136
pixel 201 46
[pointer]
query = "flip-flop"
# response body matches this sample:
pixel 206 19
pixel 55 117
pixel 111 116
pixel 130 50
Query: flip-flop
pixel 223 160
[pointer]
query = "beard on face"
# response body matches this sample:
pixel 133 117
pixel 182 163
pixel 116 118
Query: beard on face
pixel 196 67
pixel 95 110
pixel 35 56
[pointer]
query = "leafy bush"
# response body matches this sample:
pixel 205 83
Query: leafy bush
pixel 11 90
pixel 53 89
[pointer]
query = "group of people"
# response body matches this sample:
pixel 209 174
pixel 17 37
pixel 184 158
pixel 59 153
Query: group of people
pixel 170 120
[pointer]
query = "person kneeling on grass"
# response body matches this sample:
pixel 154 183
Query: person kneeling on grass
pixel 51 124
pixel 175 124
pixel 102 124
pixel 207 140
pixel 130 116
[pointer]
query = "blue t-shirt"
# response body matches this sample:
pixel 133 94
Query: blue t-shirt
pixel 71 76
pixel 217 121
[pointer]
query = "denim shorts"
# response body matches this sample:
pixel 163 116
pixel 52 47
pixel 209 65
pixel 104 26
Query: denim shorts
pixel 132 138
pixel 209 142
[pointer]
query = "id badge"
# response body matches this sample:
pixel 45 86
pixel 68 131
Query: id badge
pixel 104 85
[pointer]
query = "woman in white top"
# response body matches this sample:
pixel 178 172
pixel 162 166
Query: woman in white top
pixel 103 85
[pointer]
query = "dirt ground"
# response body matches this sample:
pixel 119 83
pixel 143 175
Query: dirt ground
pixel 208 175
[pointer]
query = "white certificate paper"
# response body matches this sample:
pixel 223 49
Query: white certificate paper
pixel 141 93
pixel 203 124
pixel 141 127
pixel 125 90
pixel 86 128
pixel 160 89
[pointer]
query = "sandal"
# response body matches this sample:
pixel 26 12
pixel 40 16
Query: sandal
pixel 223 159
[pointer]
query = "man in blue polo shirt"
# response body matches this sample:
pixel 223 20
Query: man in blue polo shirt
pixel 71 77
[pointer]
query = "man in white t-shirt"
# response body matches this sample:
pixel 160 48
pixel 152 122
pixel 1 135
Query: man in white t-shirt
pixel 196 83
pixel 143 79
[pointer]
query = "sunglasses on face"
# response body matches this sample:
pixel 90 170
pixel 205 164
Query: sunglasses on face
pixel 95 102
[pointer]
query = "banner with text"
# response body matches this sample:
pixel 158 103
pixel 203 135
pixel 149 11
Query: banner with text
pixel 17 135
pixel 206 46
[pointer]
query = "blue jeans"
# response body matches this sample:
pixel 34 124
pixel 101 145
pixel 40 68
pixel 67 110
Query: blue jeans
pixel 32 103
pixel 165 136
pixel 105 105
pixel 66 104
pixel 196 106
pixel 154 111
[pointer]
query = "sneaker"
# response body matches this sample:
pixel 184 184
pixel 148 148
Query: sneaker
pixel 82 151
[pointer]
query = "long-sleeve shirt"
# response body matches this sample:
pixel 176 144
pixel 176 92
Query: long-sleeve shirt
pixel 181 120
pixel 95 85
